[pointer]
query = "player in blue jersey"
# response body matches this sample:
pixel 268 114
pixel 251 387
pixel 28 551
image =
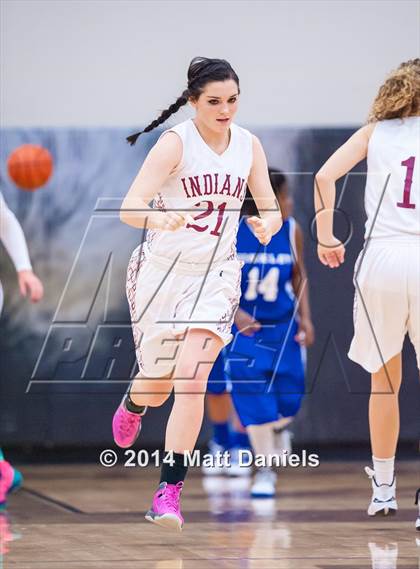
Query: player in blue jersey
pixel 228 433
pixel 272 328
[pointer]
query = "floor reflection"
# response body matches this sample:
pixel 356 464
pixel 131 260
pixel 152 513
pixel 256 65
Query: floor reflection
pixel 98 525
pixel 229 500
pixel 384 555
pixel 169 564
pixel 7 535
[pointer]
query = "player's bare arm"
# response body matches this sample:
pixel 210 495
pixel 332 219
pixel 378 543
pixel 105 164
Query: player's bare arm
pixel 161 161
pixel 270 220
pixel 305 335
pixel 330 250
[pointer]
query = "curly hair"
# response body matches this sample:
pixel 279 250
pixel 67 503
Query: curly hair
pixel 399 96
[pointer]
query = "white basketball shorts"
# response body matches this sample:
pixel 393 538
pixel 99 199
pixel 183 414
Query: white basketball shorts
pixel 386 301
pixel 166 298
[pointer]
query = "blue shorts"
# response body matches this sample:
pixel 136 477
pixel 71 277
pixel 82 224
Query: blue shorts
pixel 217 382
pixel 267 374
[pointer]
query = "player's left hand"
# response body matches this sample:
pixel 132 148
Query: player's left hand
pixel 305 335
pixel 332 253
pixel 246 323
pixel 261 229
pixel 29 284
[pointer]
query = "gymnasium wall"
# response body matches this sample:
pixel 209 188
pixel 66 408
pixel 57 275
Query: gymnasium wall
pixel 65 362
pixel 117 63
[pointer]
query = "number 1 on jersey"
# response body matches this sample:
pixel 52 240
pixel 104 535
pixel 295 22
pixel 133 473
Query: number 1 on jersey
pixel 409 164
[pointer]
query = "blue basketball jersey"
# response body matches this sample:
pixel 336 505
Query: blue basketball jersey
pixel 267 291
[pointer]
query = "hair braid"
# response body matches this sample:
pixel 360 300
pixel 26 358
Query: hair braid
pixel 172 109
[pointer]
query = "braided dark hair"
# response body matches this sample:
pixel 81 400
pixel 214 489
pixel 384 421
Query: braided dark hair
pixel 201 71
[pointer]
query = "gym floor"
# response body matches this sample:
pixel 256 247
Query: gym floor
pixel 91 517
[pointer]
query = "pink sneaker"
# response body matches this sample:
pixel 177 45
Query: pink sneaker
pixel 165 509
pixel 10 480
pixel 126 426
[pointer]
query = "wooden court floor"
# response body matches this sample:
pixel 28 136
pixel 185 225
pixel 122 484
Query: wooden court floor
pixel 91 517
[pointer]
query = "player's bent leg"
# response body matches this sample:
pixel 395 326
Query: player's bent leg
pixel 219 408
pixel 143 392
pixel 150 392
pixel 239 442
pixel 288 406
pixel 289 387
pixel 413 323
pixel 263 444
pixel 384 416
pixel 384 422
pixel 283 422
pixel 199 351
pixel 283 436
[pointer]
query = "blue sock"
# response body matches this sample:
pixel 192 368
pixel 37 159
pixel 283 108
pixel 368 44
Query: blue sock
pixel 221 434
pixel 240 440
pixel 1 455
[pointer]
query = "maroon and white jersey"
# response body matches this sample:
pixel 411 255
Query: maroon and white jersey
pixel 392 196
pixel 211 188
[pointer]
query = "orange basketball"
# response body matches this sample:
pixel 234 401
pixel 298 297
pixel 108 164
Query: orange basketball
pixel 30 166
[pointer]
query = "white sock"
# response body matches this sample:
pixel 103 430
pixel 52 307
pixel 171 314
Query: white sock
pixel 262 439
pixel 384 470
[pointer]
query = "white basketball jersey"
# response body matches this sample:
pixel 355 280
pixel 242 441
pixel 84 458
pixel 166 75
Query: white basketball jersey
pixel 392 196
pixel 211 188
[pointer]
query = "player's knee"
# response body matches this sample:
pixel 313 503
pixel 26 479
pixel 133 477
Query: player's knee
pixel 384 383
pixel 191 388
pixel 192 375
pixel 190 398
pixel 290 403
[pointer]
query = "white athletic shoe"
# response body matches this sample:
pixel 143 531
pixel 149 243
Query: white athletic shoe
pixel 264 485
pixel 383 498
pixel 235 468
pixel 218 466
pixel 417 503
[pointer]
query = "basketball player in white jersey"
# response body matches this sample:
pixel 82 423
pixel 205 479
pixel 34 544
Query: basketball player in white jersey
pixel 387 271
pixel 13 239
pixel 183 283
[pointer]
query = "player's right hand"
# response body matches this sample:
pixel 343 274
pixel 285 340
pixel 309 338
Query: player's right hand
pixel 261 229
pixel 246 324
pixel 332 254
pixel 171 221
pixel 30 285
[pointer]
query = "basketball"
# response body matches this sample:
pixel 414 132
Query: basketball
pixel 30 166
